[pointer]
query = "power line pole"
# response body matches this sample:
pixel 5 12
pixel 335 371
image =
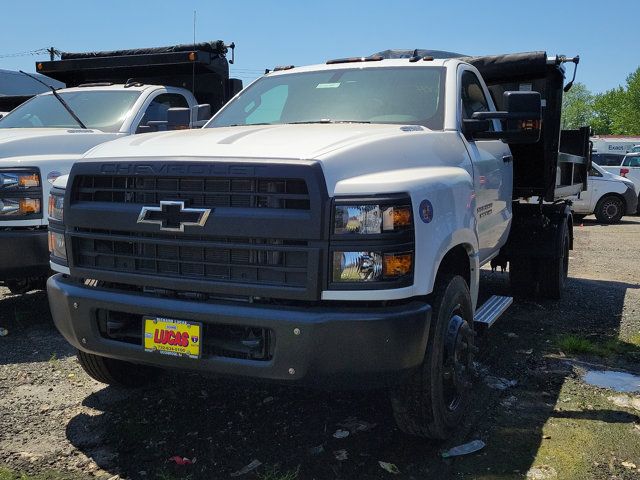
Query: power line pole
pixel 52 53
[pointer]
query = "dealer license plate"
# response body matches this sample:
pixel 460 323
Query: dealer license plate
pixel 179 338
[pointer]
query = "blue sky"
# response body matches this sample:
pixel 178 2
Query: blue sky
pixel 269 33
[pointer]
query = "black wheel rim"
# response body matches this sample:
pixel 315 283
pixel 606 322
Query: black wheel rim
pixel 457 360
pixel 611 209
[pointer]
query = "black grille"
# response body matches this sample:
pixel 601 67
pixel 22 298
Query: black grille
pixel 248 260
pixel 240 192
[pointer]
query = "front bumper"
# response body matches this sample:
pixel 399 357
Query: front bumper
pixel 335 346
pixel 23 253
pixel 631 200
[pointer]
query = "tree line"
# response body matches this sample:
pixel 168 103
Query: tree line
pixel 614 112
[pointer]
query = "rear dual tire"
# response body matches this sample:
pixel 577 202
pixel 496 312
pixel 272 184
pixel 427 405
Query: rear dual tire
pixel 545 276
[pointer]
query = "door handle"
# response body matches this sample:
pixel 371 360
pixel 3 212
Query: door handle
pixel 507 158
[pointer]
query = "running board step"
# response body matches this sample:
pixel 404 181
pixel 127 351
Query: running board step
pixel 491 310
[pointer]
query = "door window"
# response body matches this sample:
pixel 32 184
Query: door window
pixel 631 162
pixel 472 96
pixel 594 173
pixel 157 110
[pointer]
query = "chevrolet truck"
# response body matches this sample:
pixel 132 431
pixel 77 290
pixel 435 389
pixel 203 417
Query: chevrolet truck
pixel 326 227
pixel 111 95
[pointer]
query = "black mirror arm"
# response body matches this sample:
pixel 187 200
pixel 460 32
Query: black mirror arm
pixel 490 115
pixel 506 116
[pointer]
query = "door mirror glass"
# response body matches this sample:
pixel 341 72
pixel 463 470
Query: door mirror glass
pixel 178 118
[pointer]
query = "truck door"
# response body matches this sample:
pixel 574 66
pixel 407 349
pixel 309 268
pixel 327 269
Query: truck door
pixel 492 169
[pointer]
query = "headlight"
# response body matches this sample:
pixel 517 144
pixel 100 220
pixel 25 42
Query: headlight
pixel 372 242
pixel 20 194
pixel 19 180
pixel 371 266
pixel 19 206
pixel 56 207
pixel 372 219
pixel 57 246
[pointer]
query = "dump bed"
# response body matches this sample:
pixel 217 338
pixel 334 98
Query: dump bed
pixel 556 166
pixel 201 68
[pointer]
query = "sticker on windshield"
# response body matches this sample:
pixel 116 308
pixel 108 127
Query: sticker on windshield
pixel 328 85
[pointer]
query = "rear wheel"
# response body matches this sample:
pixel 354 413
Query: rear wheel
pixel 433 402
pixel 116 372
pixel 553 272
pixel 522 277
pixel 609 209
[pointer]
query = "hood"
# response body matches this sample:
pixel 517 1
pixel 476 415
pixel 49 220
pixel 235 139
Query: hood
pixel 306 141
pixel 344 151
pixel 22 142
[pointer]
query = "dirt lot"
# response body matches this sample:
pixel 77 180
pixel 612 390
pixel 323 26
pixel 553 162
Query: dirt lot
pixel 55 422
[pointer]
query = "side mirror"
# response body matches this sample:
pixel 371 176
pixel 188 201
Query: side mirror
pixel 201 114
pixel 521 121
pixel 178 118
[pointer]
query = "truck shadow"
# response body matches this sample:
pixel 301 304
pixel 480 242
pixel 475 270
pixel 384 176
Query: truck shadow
pixel 31 335
pixel 226 425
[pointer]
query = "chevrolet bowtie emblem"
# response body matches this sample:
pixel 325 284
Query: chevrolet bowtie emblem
pixel 173 216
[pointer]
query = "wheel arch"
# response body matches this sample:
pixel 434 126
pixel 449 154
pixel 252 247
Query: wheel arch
pixel 461 259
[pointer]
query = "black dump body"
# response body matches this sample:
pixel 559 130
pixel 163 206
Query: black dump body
pixel 9 102
pixel 202 68
pixel 535 165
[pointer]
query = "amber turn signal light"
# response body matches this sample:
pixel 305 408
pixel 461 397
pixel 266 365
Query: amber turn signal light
pixel 397 264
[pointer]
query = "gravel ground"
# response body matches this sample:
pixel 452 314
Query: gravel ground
pixel 55 422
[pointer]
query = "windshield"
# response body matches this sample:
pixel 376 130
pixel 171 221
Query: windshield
pixel 103 110
pixel 402 95
pixel 635 149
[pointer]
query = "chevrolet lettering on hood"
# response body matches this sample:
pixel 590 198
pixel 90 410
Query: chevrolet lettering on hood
pixel 172 216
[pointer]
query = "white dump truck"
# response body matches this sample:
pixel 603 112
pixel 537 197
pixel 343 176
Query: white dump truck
pixel 111 95
pixel 327 227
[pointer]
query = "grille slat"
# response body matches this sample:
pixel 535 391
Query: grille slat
pixel 267 262
pixel 290 194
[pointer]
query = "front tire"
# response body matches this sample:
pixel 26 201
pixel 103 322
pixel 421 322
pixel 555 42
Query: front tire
pixel 116 372
pixel 609 209
pixel 433 402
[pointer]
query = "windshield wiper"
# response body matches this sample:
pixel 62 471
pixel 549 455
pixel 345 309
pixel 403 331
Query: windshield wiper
pixel 60 99
pixel 326 120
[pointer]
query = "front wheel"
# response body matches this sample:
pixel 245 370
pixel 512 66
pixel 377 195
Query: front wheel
pixel 433 402
pixel 116 372
pixel 609 209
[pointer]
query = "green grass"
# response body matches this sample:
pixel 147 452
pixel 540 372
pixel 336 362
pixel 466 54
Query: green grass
pixel 274 473
pixel 6 474
pixel 577 345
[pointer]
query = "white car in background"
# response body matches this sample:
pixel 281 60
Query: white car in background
pixel 609 197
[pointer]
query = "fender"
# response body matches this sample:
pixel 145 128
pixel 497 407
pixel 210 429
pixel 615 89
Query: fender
pixel 449 192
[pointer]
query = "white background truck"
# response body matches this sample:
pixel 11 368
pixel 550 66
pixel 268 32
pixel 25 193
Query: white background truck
pixel 116 94
pixel 327 228
pixel 629 167
pixel 609 197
